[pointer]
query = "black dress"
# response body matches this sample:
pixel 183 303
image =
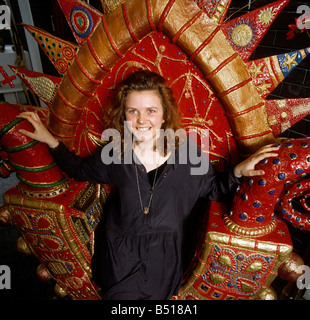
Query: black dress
pixel 138 256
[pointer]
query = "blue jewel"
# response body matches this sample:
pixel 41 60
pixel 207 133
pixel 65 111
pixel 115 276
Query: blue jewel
pixel 257 204
pixel 262 182
pixel 281 176
pixel 260 219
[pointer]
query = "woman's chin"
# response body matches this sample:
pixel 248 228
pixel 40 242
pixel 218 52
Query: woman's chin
pixel 143 137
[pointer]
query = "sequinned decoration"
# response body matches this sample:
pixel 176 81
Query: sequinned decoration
pixel 44 87
pixel 93 215
pixel 39 230
pixel 81 21
pixel 60 52
pixel 240 273
pixel 59 267
pixel 242 34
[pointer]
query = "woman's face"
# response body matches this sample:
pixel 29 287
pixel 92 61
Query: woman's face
pixel 145 112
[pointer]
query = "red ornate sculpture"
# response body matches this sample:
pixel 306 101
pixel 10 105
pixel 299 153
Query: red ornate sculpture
pixel 240 246
pixel 285 180
pixel 49 209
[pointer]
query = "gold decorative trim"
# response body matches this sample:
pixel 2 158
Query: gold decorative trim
pixel 72 243
pixel 15 200
pixel 96 141
pixel 248 232
pixel 44 193
pixel 279 250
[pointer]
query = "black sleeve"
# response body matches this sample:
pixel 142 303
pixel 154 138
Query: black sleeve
pixel 220 186
pixel 208 182
pixel 82 169
pixel 211 184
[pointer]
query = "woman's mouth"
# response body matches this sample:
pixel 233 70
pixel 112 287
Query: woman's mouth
pixel 143 129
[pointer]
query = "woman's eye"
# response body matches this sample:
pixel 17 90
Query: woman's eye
pixel 151 111
pixel 132 111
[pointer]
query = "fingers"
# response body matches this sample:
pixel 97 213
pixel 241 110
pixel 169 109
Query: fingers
pixel 267 150
pixel 35 121
pixel 255 173
pixel 263 153
pixel 32 117
pixel 263 156
pixel 247 167
pixel 27 133
pixel 28 114
pixel 40 132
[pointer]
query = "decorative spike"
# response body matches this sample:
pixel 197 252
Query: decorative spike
pixel 288 61
pixel 269 72
pixel 282 114
pixel 60 52
pixel 44 86
pixel 245 32
pixel 216 10
pixel 81 17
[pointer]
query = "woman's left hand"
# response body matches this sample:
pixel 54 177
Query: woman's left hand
pixel 246 168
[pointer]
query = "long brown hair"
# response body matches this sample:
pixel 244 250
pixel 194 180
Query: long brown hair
pixel 143 80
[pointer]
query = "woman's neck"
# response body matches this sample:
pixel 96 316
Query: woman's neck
pixel 149 157
pixel 144 147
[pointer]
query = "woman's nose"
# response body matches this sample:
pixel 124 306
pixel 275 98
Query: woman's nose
pixel 142 118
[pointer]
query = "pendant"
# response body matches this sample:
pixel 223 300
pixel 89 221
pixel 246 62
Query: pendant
pixel 146 210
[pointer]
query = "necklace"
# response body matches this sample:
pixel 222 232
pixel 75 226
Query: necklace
pixel 145 210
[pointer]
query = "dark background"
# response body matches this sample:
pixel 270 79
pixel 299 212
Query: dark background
pixel 48 16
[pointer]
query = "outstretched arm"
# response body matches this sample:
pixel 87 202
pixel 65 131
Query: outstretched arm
pixel 81 169
pixel 40 132
pixel 246 168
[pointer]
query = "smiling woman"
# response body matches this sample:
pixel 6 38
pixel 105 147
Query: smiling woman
pixel 160 105
pixel 138 250
pixel 144 115
pixel 180 42
pixel 146 104
pixel 145 112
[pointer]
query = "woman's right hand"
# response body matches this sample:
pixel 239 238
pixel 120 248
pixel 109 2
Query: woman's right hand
pixel 40 131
